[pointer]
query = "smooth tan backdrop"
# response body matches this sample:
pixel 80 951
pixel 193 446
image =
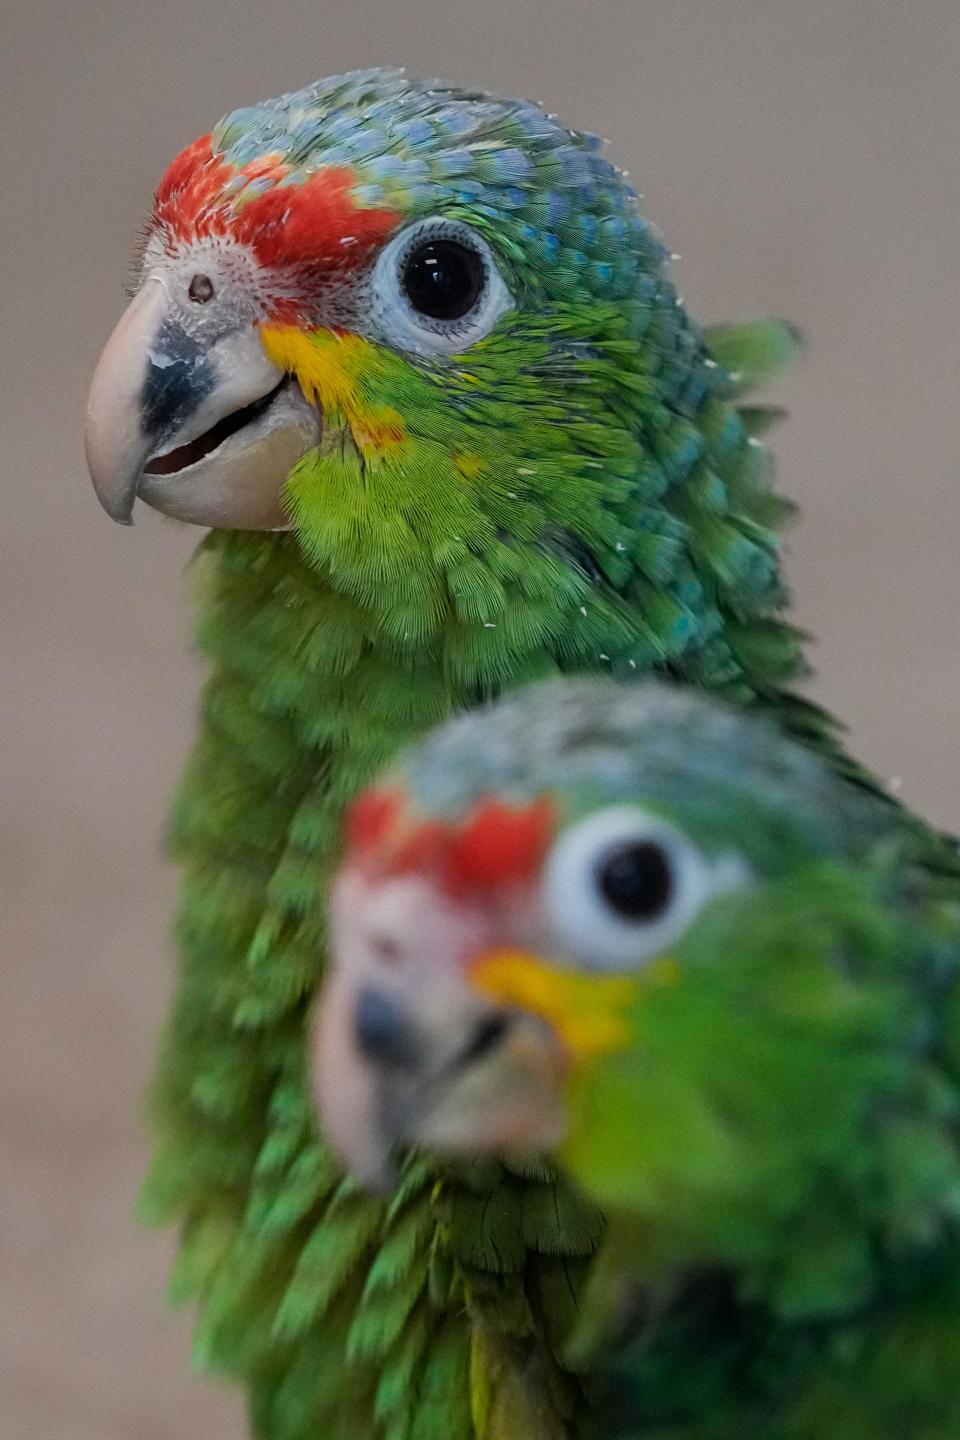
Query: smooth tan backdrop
pixel 803 158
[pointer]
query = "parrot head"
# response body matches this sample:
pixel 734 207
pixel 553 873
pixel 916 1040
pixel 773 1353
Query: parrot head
pixel 634 926
pixel 380 307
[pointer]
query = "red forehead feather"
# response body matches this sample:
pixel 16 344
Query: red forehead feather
pixel 495 846
pixel 315 222
pixel 500 844
pixel 189 189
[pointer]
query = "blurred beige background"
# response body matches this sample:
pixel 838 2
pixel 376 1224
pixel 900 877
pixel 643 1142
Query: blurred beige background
pixel 802 157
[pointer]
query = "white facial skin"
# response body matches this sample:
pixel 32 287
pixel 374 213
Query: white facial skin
pixel 442 1094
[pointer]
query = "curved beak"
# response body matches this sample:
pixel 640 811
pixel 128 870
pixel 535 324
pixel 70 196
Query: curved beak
pixel 114 436
pixel 202 427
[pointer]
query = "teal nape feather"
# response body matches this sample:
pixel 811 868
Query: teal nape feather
pixel 543 468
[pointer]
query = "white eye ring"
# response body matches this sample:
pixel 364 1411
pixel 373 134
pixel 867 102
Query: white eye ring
pixel 481 288
pixel 622 885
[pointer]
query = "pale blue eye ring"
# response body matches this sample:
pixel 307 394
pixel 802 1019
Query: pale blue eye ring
pixel 602 920
pixel 436 288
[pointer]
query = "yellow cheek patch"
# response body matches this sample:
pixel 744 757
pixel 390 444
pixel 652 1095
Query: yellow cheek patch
pixel 328 366
pixel 332 371
pixel 588 1012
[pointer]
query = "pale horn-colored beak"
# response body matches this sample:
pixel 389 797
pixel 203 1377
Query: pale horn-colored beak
pixel 202 427
pixel 114 439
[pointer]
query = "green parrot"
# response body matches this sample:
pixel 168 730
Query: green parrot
pixel 645 931
pixel 412 354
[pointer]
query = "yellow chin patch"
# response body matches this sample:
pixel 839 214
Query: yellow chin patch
pixel 333 371
pixel 588 1012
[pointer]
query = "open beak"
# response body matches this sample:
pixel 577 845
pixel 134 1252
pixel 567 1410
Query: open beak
pixel 203 428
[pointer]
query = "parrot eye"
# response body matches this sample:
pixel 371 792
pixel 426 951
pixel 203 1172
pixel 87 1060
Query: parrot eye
pixel 636 880
pixel 437 288
pixel 442 279
pixel 621 885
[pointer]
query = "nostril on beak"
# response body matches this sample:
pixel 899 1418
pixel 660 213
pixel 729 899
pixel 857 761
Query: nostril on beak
pixel 384 1031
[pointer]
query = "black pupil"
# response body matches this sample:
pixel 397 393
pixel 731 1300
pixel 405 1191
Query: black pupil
pixel 636 880
pixel 443 279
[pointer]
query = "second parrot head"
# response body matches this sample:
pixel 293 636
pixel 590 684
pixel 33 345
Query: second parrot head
pixel 634 924
pixel 381 307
